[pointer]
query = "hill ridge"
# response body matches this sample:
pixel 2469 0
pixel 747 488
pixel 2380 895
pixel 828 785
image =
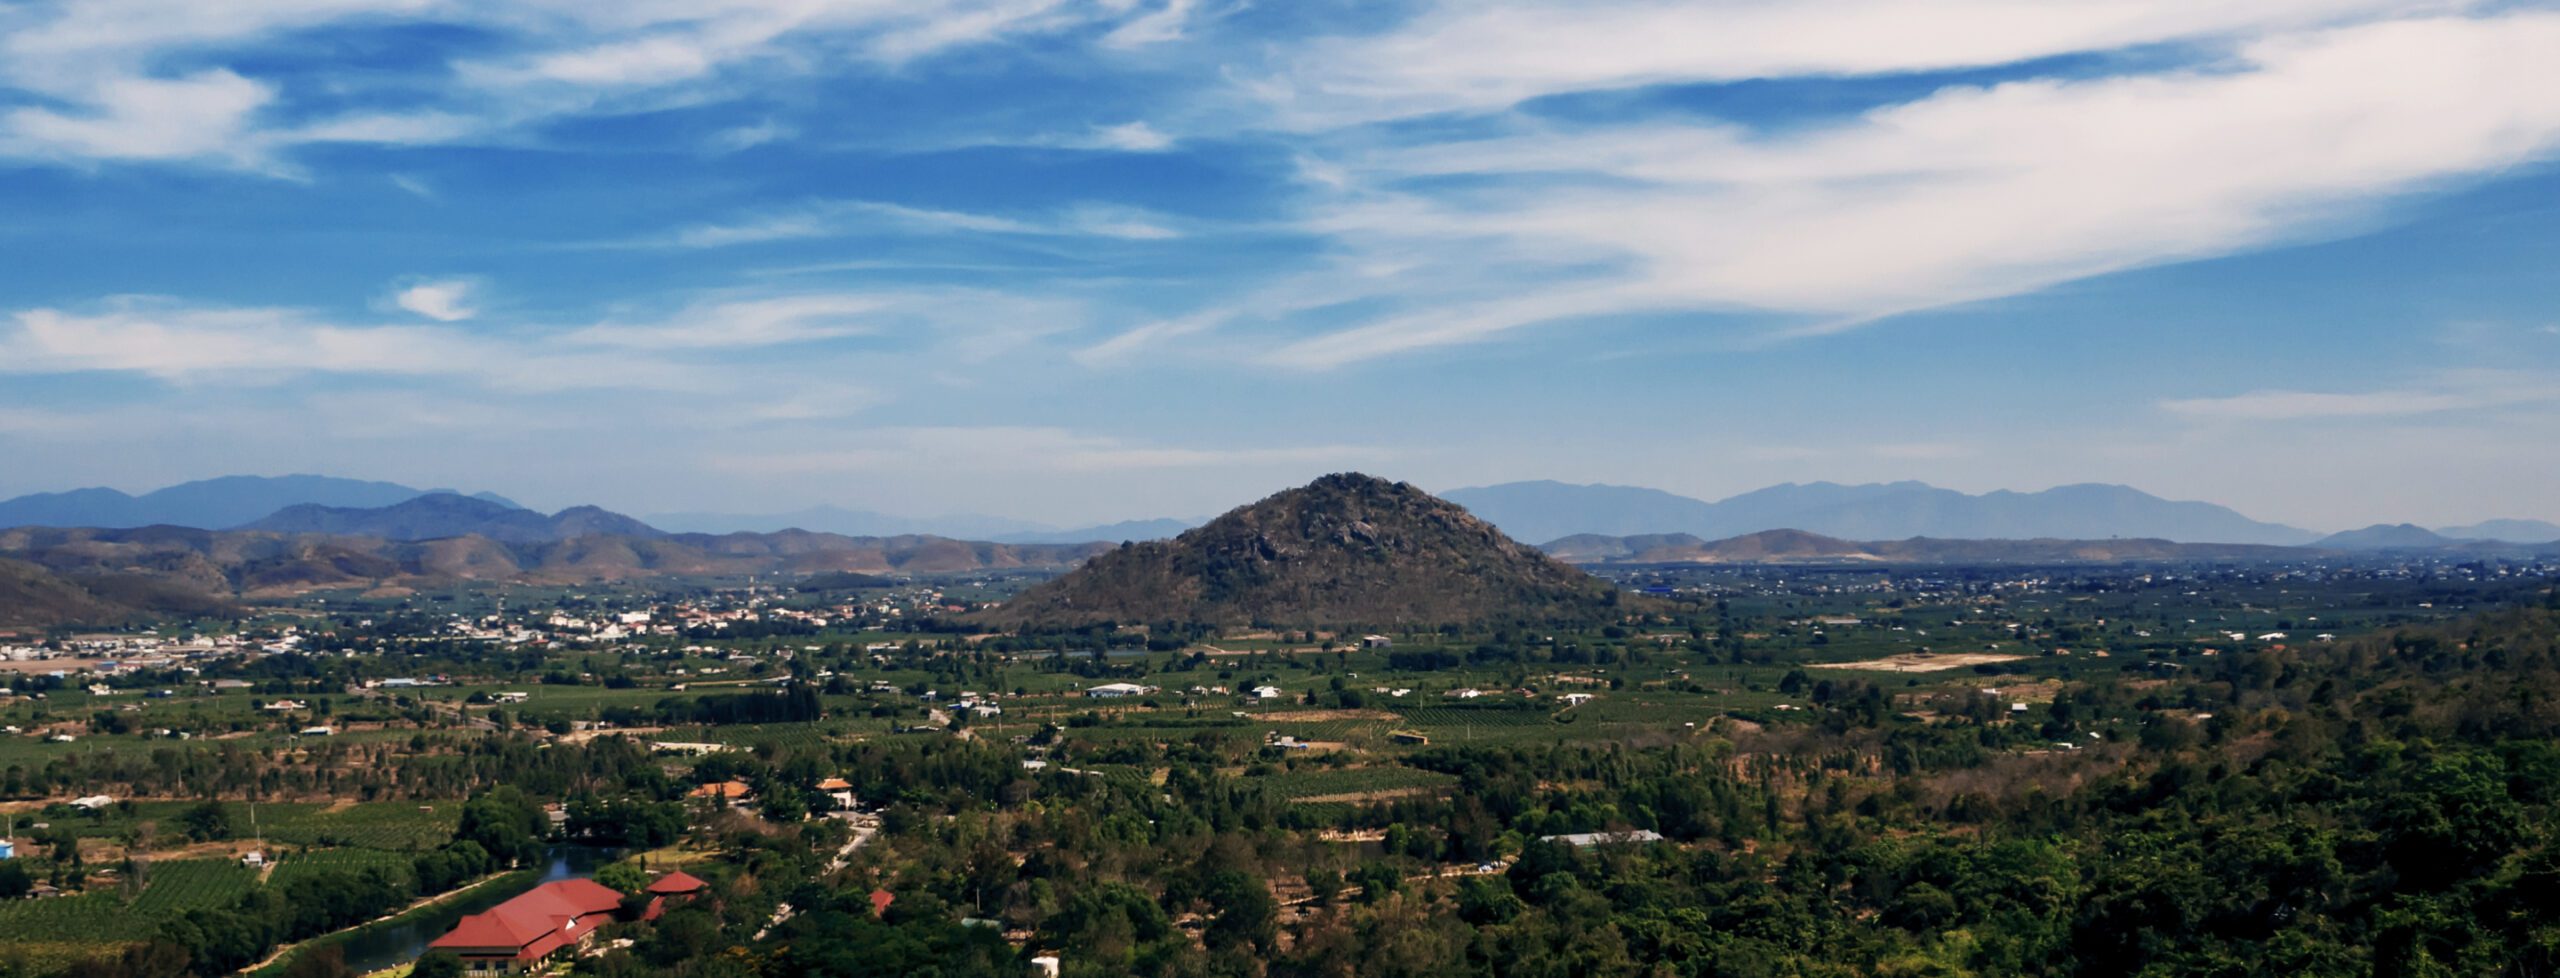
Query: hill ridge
pixel 1345 549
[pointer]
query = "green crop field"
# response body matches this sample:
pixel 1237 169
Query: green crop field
pixel 319 862
pixel 1323 782
pixel 390 826
pixel 62 928
pixel 177 886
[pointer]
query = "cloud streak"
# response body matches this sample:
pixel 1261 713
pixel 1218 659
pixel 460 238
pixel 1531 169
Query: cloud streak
pixel 1971 193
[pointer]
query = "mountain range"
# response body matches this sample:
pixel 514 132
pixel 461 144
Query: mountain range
pixel 1532 511
pixel 862 522
pixel 1344 550
pixel 1876 511
pixel 210 504
pixel 443 514
pixel 1799 547
pixel 51 576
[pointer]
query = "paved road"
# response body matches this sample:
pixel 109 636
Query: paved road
pixel 863 829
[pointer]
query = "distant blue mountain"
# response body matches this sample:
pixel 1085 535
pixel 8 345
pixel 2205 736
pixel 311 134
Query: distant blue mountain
pixel 439 515
pixel 2387 536
pixel 848 522
pixel 211 504
pixel 2506 531
pixel 1544 511
pixel 1129 531
pixel 958 526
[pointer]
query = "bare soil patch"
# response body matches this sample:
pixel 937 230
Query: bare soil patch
pixel 42 666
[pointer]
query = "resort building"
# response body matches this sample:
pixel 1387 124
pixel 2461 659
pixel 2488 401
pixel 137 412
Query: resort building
pixel 529 930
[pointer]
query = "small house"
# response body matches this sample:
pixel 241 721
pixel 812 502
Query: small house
pixel 839 791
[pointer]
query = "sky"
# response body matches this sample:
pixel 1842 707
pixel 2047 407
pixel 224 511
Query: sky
pixel 1075 261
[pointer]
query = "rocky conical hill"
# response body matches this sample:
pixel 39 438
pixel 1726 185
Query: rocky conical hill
pixel 1345 550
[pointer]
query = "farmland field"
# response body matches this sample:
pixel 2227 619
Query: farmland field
pixel 177 886
pixel 392 826
pixel 1322 784
pixel 324 861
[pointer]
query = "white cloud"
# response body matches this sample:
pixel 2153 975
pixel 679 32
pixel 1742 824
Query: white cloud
pixel 1134 137
pixel 445 301
pixel 2468 390
pixel 748 137
pixel 1165 23
pixel 201 116
pixel 95 67
pixel 746 323
pixel 1018 449
pixel 836 218
pixel 1126 344
pixel 1970 193
pixel 1464 55
pixel 175 342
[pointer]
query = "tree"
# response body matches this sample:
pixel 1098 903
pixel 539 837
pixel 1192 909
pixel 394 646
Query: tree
pixel 208 822
pixel 325 961
pixel 625 877
pixel 14 879
pixel 437 964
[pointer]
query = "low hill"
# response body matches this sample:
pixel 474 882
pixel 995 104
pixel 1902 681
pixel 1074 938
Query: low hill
pixel 2505 531
pixel 2387 536
pixel 98 575
pixel 438 515
pixel 1345 550
pixel 32 596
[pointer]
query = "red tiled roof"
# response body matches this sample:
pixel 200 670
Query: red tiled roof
pixel 491 929
pixel 880 900
pixel 723 789
pixel 678 881
pixel 536 922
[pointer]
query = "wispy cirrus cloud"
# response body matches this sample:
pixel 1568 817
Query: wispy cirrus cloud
pixel 1467 56
pixel 838 218
pixel 1009 448
pixel 191 343
pixel 2445 392
pixel 1970 193
pixel 96 68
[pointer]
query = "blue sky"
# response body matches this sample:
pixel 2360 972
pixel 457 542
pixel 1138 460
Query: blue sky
pixel 1086 261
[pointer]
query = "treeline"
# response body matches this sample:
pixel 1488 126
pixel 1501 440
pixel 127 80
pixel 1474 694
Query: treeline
pixel 800 703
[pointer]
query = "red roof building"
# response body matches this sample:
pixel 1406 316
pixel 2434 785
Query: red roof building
pixel 528 930
pixel 880 900
pixel 677 883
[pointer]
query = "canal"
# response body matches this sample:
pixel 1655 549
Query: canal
pixel 383 947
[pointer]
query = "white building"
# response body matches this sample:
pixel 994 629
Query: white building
pixel 1115 690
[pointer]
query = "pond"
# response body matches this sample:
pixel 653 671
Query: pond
pixel 383 947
